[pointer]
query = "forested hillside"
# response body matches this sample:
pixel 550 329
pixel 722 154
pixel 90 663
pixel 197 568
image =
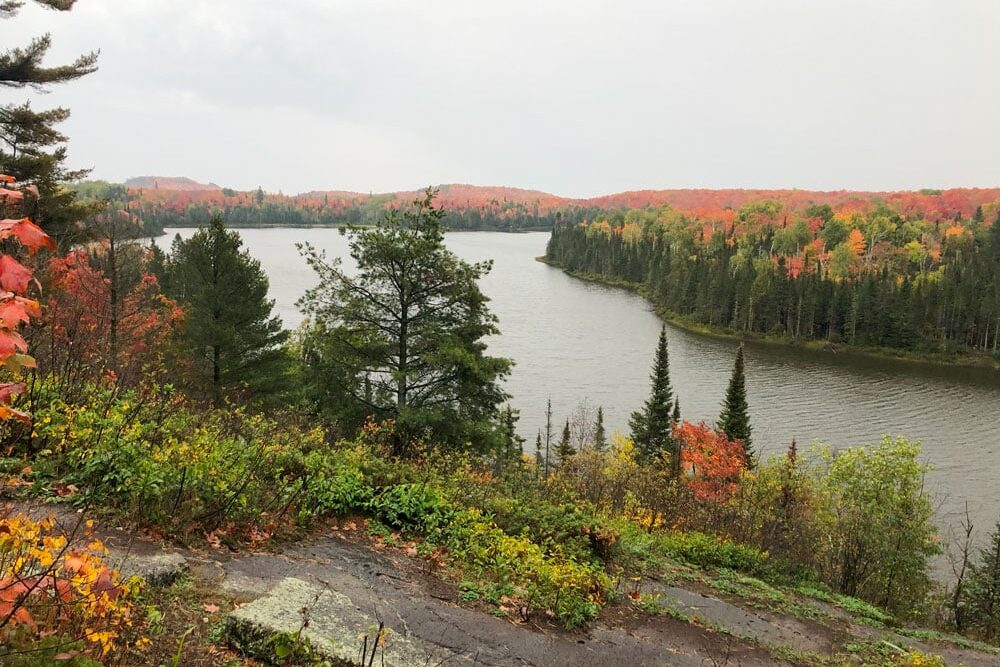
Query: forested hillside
pixel 182 202
pixel 917 271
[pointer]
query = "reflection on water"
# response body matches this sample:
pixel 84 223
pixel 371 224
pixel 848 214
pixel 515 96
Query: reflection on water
pixel 574 340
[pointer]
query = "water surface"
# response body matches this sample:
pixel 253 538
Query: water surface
pixel 575 341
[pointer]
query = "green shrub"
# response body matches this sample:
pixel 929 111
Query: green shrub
pixel 706 551
pixel 550 525
pixel 877 519
pixel 335 484
pixel 416 507
pixel 150 457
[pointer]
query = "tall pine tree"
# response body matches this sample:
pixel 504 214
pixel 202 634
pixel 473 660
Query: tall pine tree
pixel 564 449
pixel 735 418
pixel 231 338
pixel 651 426
pixel 600 435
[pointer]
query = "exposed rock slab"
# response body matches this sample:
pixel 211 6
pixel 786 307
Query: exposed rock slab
pixel 768 629
pixel 331 623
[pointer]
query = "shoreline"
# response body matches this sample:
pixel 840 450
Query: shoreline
pixel 927 359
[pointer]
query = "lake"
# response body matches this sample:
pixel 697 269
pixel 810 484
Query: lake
pixel 575 342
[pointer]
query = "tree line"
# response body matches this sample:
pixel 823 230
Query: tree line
pixel 871 277
pixel 255 209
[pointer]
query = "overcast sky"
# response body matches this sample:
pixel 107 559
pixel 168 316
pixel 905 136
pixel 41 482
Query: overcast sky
pixel 578 97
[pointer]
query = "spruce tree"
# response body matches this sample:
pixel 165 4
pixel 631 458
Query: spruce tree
pixel 513 444
pixel 600 436
pixel 735 418
pixel 564 449
pixel 548 436
pixel 651 425
pixel 676 416
pixel 231 338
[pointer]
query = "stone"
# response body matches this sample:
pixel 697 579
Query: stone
pixel 327 622
pixel 157 569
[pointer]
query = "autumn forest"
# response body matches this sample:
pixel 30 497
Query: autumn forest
pixel 240 427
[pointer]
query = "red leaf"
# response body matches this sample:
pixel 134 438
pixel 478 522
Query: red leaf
pixel 9 391
pixel 10 343
pixel 14 276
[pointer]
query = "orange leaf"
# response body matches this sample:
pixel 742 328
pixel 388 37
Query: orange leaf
pixel 15 310
pixel 28 233
pixel 73 563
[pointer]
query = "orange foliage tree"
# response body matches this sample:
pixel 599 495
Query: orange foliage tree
pixel 16 307
pixel 94 328
pixel 710 462
pixel 55 602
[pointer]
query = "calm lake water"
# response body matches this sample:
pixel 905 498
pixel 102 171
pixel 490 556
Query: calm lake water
pixel 575 341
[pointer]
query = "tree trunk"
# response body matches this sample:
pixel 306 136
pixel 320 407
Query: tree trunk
pixel 216 376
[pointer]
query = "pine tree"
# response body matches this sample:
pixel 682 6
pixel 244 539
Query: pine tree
pixel 564 449
pixel 31 149
pixel 231 339
pixel 538 450
pixel 651 426
pixel 735 418
pixel 411 320
pixel 676 417
pixel 600 436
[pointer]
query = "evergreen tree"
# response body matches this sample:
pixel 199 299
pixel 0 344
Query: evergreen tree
pixel 982 591
pixel 651 425
pixel 564 449
pixel 735 418
pixel 409 328
pixel 231 338
pixel 31 149
pixel 538 450
pixel 600 436
pixel 548 436
pixel 513 444
pixel 676 416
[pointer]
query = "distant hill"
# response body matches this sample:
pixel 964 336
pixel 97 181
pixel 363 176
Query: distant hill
pixel 459 196
pixel 180 201
pixel 170 183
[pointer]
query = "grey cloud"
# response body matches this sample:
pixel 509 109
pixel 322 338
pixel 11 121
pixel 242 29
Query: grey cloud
pixel 578 98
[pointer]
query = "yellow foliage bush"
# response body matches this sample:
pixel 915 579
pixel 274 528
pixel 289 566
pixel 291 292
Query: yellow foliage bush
pixel 59 601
